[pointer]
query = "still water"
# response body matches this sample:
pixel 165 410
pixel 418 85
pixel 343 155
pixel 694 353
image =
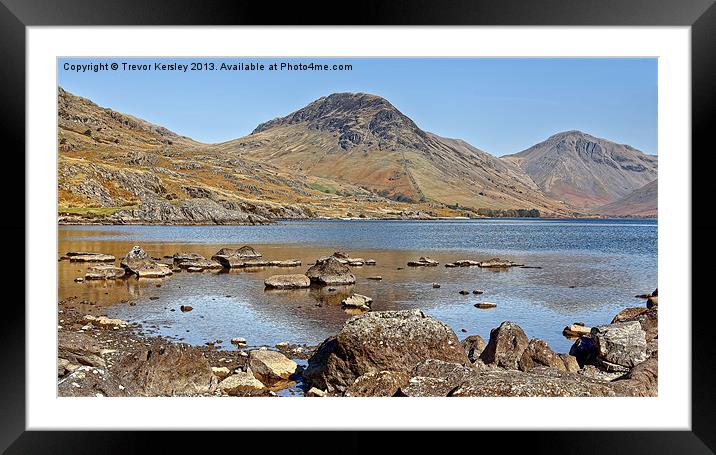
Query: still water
pixel 590 269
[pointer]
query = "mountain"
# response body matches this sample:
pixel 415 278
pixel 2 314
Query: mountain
pixel 584 171
pixel 116 168
pixel 362 140
pixel 641 202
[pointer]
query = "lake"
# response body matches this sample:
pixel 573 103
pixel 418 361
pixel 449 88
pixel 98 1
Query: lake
pixel 590 270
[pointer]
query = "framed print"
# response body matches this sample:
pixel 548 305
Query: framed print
pixel 417 217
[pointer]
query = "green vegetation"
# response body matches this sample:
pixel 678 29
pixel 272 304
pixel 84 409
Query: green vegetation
pixel 322 188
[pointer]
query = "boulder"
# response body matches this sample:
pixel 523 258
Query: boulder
pixel 648 318
pixel 537 354
pixel 641 381
pixel 377 384
pixel 570 363
pixel 330 272
pixel 238 341
pixel 506 346
pixel 186 308
pixel 138 262
pixel 86 381
pixel 473 347
pixel 435 378
pixel 314 392
pixel 230 257
pixel 169 369
pixel 104 272
pixel 652 301
pixel 357 301
pixel 241 383
pixel 576 330
pixel 287 281
pixel 623 343
pixel 627 314
pixel 82 256
pixel 271 366
pixel 377 341
pixel 221 372
pixel 423 262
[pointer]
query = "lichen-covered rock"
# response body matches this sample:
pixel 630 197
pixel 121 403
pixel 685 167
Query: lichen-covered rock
pixel 78 349
pixel 649 321
pixel 377 384
pixel 623 343
pixel 330 271
pixel 377 341
pixel 435 378
pixel 473 347
pixel 539 354
pixel 538 382
pixel 641 381
pixel 168 369
pixel 294 281
pixel 506 346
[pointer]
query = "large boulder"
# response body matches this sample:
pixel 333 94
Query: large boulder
pixel 169 369
pixel 294 281
pixel 377 341
pixel 539 354
pixel 641 381
pixel 330 271
pixel 506 346
pixel 623 343
pixel 271 366
pixel 648 319
pixel 435 378
pixel 138 262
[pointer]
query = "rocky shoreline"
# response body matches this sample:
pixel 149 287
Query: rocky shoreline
pixel 376 353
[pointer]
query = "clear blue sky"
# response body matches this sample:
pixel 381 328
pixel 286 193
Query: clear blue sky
pixel 499 105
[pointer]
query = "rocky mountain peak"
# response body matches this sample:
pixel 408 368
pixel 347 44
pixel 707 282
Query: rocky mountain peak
pixel 356 119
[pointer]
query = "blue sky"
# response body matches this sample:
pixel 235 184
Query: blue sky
pixel 501 106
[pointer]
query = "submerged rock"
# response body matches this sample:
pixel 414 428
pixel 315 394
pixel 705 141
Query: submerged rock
pixel 81 256
pixel 287 281
pixel 377 341
pixel 330 272
pixel 497 263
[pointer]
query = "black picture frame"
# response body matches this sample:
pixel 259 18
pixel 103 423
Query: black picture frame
pixel 16 15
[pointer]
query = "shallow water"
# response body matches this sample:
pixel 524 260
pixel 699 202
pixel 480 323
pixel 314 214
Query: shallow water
pixel 591 269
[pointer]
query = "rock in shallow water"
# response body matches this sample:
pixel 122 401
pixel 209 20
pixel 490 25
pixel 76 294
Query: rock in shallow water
pixel 294 281
pixel 361 302
pixel 330 271
pixel 241 383
pixel 104 272
pixel 271 366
